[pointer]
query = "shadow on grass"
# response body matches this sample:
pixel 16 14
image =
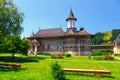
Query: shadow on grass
pixel 21 59
pixel 90 75
pixel 15 70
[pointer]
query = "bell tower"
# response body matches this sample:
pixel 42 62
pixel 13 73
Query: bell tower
pixel 71 21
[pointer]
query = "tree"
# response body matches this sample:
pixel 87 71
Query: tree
pixel 10 19
pixel 24 45
pixel 98 39
pixel 10 27
pixel 11 44
pixel 14 44
pixel 107 37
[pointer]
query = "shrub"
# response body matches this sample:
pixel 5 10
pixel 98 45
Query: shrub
pixel 97 53
pixel 98 58
pixel 107 57
pixel 57 56
pixel 57 71
pixel 117 54
pixel 68 55
pixel 102 52
pixel 111 58
pixel 47 54
pixel 109 52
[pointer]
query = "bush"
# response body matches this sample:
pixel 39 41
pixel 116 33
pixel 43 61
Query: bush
pixel 68 55
pixel 109 52
pixel 97 53
pixel 57 56
pixel 102 52
pixel 98 58
pixel 107 57
pixel 47 54
pixel 57 71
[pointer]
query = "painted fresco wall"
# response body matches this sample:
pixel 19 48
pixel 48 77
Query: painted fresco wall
pixel 77 46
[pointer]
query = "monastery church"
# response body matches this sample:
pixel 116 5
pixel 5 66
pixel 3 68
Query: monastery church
pixel 56 41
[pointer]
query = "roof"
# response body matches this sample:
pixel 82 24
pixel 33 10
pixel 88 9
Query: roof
pixel 49 32
pixel 34 41
pixel 82 31
pixel 70 31
pixel 58 32
pixel 71 16
pixel 117 39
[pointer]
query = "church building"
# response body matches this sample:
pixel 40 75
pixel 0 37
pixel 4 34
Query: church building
pixel 55 40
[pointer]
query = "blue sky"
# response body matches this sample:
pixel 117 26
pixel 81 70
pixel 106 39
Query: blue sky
pixel 93 15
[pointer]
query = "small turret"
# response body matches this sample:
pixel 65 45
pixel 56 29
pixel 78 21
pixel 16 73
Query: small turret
pixel 71 20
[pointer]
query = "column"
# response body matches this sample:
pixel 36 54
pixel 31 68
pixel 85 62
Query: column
pixel 35 49
pixel 62 47
pixel 79 48
pixel 31 48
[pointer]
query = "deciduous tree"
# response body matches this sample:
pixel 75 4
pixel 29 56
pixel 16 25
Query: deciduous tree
pixel 11 44
pixel 24 45
pixel 107 37
pixel 98 39
pixel 10 18
pixel 14 44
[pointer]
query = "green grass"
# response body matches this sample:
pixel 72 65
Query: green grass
pixel 118 56
pixel 38 67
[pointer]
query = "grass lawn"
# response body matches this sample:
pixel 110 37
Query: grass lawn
pixel 118 56
pixel 38 67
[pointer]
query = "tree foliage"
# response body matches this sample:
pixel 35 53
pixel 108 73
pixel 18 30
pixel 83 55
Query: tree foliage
pixel 14 44
pixel 11 43
pixel 10 29
pixel 98 39
pixel 105 37
pixel 10 19
pixel 24 45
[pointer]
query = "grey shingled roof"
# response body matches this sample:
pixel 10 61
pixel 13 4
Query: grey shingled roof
pixel 58 32
pixel 117 39
pixel 70 32
pixel 50 32
pixel 83 31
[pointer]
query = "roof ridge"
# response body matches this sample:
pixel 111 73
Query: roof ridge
pixel 50 28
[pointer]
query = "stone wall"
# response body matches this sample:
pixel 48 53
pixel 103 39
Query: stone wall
pixel 101 47
pixel 51 45
pixel 78 46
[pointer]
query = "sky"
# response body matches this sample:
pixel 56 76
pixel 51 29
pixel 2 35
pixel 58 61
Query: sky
pixel 94 15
